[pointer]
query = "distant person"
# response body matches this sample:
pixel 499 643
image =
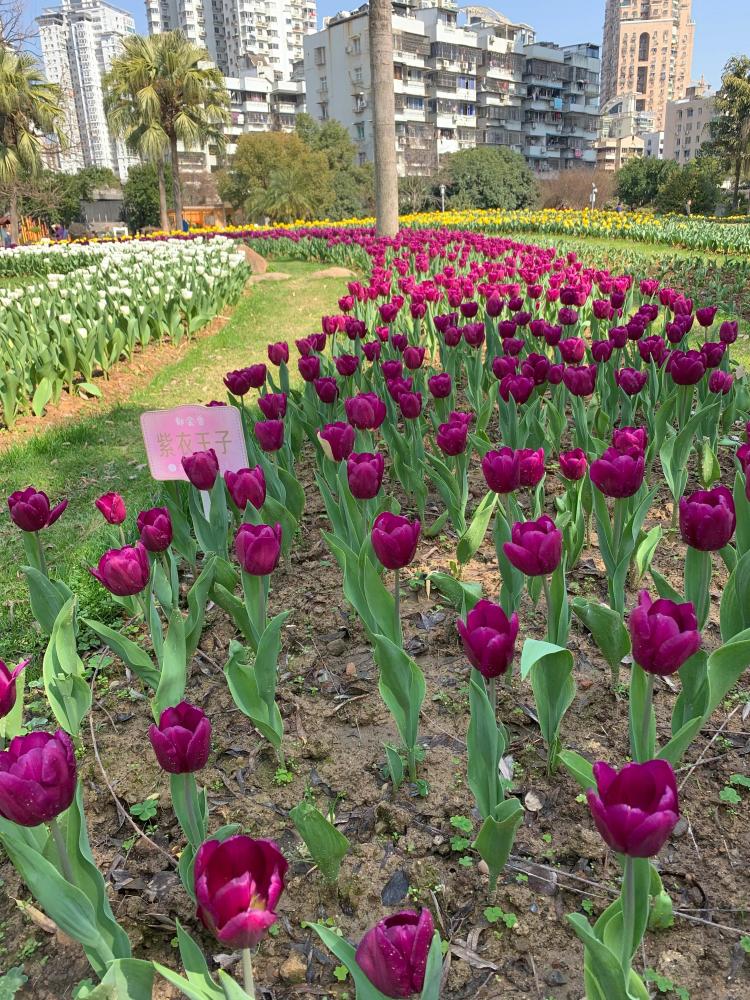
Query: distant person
pixel 689 206
pixel 185 226
pixel 620 207
pixel 4 237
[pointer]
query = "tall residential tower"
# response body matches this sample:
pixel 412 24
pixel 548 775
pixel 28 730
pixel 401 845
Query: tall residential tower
pixel 648 51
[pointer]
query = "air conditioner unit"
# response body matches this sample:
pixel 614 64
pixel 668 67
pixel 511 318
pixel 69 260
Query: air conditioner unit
pixel 349 49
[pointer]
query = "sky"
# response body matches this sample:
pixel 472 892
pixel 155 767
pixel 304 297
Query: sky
pixel 722 26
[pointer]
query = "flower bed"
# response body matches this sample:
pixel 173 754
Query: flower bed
pixel 417 519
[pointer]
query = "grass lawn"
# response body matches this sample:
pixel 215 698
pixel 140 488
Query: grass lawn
pixel 94 454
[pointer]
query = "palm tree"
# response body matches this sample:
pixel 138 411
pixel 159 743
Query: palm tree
pixel 30 108
pixel 287 196
pixel 163 90
pixel 730 126
pixel 384 116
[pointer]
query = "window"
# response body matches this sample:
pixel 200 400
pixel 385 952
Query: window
pixel 643 46
pixel 324 84
pixel 320 56
pixel 358 74
pixel 362 159
pixel 690 113
pixel 359 130
pixel 642 79
pixel 324 110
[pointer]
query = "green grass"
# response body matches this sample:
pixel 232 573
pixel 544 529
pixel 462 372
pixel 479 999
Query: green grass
pixel 92 455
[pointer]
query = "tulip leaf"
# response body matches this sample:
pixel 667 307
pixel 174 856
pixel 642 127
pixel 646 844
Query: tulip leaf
pixel 41 397
pixel 125 979
pixel 46 597
pixel 327 845
pixel 129 652
pixel 196 599
pixel 253 687
pixel 473 537
pixel 665 589
pixel 345 953
pixel 495 839
pixel 236 610
pixel 190 807
pixel 231 989
pixel 512 578
pixel 434 972
pixel 579 768
pixel 486 742
pixel 645 551
pixel 275 512
pixel 734 610
pixel 395 765
pixel 378 597
pixel 710 472
pixel 603 973
pixel 641 750
pixel 188 989
pixel 62 669
pixel 551 669
pixel 742 511
pixel 294 494
pixel 182 538
pixel 463 596
pixel 606 627
pixel 402 688
pixel 173 678
pixel 12 723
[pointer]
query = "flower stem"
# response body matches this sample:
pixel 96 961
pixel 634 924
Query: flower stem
pixel 62 851
pixel 628 914
pixel 551 630
pixel 397 602
pixel 645 753
pixel 247 972
pixel 492 694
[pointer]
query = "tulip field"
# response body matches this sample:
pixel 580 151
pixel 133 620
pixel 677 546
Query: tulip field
pixel 443 691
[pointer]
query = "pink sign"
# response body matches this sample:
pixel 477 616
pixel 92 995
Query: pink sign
pixel 170 434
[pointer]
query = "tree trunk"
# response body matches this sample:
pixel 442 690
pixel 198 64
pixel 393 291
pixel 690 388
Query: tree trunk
pixel 163 213
pixel 14 227
pixel 384 116
pixel 737 178
pixel 176 189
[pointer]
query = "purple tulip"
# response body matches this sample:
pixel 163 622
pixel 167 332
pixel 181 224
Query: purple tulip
pixel 513 346
pixel 327 390
pixel 451 438
pixel 365 411
pixel 273 405
pixel 112 508
pixel 630 380
pixel 707 519
pixel 567 316
pixel 364 472
pixel 720 382
pixel 395 539
pixel 636 808
pixel 712 352
pixel 489 638
pixel 269 434
pixel 247 486
pixel 502 470
pixel 346 364
pixel 396 386
pixel 664 635
pixel 37 777
pixel 629 438
pixel 580 380
pixel 238 882
pixel 182 740
pixel 653 349
pixel 30 509
pixel 572 350
pixel 372 349
pixel 494 305
pixel 393 953
pixel 601 350
pixel 507 328
pixel 706 315
pixel 728 331
pixel 686 367
pixel 603 309
pixel 413 357
pixel 536 367
pixel 243 380
pixel 535 547
pixel 124 572
pixel 337 440
pixel 504 365
pixel 258 547
pixel 278 354
pixel 8 686
pixel 155 529
pixel 201 468
pixel 531 466
pixel 309 367
pixel 573 464
pixel 518 386
pixel 474 334
pixel 440 385
pixel 618 337
pixel 392 369
pixel 618 474
pixel 410 404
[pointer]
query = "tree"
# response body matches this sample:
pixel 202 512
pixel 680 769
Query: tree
pixel 53 197
pixel 697 182
pixel 730 127
pixel 414 193
pixel 380 24
pixel 140 197
pixel 352 184
pixel 638 182
pixel 260 156
pixel 572 188
pixel 488 177
pixel 163 90
pixel 30 108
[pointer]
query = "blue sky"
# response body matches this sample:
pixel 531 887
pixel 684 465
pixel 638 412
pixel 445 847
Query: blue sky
pixel 723 26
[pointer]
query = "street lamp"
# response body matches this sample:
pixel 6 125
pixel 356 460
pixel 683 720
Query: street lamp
pixel 594 192
pixel 442 197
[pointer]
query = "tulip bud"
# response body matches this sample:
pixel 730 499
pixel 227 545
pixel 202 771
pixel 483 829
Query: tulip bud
pixel 309 367
pixel 440 385
pixel 573 464
pixel 182 740
pixel 8 686
pixel 489 638
pixel 155 529
pixel 720 382
pixel 630 380
pixel 728 331
pixel 273 405
pixel 413 357
pixel 712 352
pixel 706 315
pixel 451 437
pixel 410 404
pixel 686 367
pixel 531 466
pixel 636 808
pixel 364 473
pixel 518 386
pixel 337 440
pixel 366 411
pixel 241 381
pixel 580 380
pixel 663 634
pixel 258 547
pixel 535 547
pixel 37 777
pixel 124 572
pixel 393 953
pixel 629 438
pixel 247 486
pixel 201 468
pixel 395 539
pixel 708 519
pixel 327 390
pixel 346 364
pixel 392 369
pixel 278 354
pixel 270 434
pixel 238 882
pixel 572 350
pixel 30 509
pixel 502 470
pixel 112 508
pixel 618 474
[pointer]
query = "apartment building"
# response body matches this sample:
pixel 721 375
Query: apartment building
pixel 653 145
pixel 621 132
pixel 647 50
pixel 240 35
pixel 686 125
pixel 489 83
pixel 79 40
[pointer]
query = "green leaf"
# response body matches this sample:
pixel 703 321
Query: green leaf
pixel 434 971
pixel 197 598
pixel 274 512
pixel 462 595
pixel 395 765
pixel 173 678
pixel 579 768
pixel 551 669
pixel 486 744
pixel 734 610
pixel 41 397
pixel 646 550
pixel 243 685
pixel 294 494
pixel 495 839
pixel 402 688
pixel 46 597
pixel 11 982
pixel 327 845
pixel 64 682
pixel 190 808
pixel 710 471
pixel 605 979
pixel 125 979
pixel 345 953
pixel 665 589
pixel 129 652
pixel 606 627
pixel 474 535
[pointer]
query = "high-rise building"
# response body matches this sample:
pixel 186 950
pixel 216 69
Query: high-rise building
pixel 648 51
pixel 686 125
pixel 621 132
pixel 489 83
pixel 240 35
pixel 79 40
